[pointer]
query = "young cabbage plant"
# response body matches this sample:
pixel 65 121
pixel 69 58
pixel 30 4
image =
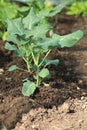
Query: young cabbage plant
pixel 32 40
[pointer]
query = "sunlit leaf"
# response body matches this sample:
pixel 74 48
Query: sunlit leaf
pixel 58 8
pixel 39 30
pixel 28 88
pixel 50 62
pixel 31 19
pixel 70 39
pixel 10 47
pixel 15 26
pixel 44 73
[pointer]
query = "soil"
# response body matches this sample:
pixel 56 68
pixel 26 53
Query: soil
pixel 62 105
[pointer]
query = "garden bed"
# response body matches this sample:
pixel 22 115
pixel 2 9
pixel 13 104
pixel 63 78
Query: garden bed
pixel 62 105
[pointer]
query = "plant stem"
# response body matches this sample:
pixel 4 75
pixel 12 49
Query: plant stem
pixel 35 60
pixel 28 65
pixel 44 57
pixel 22 69
pixel 37 82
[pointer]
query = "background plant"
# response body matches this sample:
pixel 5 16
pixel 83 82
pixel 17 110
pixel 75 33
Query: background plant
pixel 78 7
pixel 33 40
pixel 7 10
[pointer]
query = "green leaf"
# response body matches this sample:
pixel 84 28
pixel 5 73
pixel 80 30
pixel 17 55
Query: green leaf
pixel 10 47
pixel 15 26
pixel 7 11
pixel 31 19
pixel 51 11
pixel 44 73
pixel 57 9
pixel 70 39
pixel 12 68
pixel 4 35
pixel 12 38
pixel 40 3
pixel 28 88
pixel 48 62
pixel 47 43
pixel 39 30
pixel 60 41
pixel 23 9
pixel 43 14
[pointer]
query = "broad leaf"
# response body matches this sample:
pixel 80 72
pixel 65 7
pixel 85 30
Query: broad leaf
pixel 70 39
pixel 60 41
pixel 12 68
pixel 10 47
pixel 31 19
pixel 52 62
pixel 57 9
pixel 39 30
pixel 28 88
pixel 12 38
pixel 40 3
pixel 15 26
pixel 47 43
pixel 43 14
pixel 44 73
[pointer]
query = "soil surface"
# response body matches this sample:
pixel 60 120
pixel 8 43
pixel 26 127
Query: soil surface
pixel 71 115
pixel 62 105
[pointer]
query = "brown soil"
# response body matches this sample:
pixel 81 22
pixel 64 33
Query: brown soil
pixel 63 105
pixel 71 115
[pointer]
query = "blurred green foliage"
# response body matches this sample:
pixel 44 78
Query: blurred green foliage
pixel 78 7
pixel 7 10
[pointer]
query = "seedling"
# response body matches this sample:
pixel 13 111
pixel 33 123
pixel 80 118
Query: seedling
pixel 33 40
